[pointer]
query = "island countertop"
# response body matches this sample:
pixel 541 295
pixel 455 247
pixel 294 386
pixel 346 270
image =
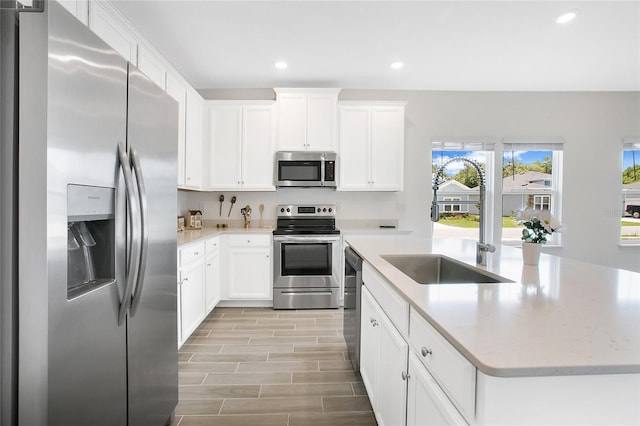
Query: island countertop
pixel 562 317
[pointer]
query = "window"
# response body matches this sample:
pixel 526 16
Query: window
pixel 531 177
pixel 542 202
pixel 452 207
pixel 630 221
pixel 459 195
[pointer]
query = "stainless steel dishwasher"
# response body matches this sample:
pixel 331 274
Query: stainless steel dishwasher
pixel 352 291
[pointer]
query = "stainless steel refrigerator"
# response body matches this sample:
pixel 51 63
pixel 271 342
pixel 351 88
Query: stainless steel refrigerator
pixel 88 241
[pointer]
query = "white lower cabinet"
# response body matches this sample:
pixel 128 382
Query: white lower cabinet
pixel 191 305
pixel 212 274
pixel 249 269
pixel 383 363
pixel 426 402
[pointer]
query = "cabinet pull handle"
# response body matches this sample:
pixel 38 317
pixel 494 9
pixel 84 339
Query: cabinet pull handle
pixel 424 351
pixel 185 279
pixel 195 253
pixel 208 264
pixel 405 376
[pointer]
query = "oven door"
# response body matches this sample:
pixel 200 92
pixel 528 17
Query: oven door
pixel 305 261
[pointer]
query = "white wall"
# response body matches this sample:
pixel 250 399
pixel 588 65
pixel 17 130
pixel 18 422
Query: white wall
pixel 592 125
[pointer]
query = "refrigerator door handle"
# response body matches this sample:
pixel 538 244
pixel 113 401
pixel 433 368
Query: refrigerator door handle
pixel 144 229
pixel 133 249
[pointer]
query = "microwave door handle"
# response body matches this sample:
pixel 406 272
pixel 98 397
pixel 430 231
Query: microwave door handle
pixel 144 230
pixel 322 166
pixel 132 213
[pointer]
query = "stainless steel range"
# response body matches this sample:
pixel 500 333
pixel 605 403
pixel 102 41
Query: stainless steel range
pixel 306 249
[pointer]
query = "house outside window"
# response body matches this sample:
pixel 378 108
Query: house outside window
pixel 532 176
pixel 630 221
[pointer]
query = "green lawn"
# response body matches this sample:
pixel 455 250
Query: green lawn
pixel 471 221
pixel 627 223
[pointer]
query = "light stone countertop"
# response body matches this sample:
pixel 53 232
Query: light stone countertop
pixel 189 236
pixel 563 317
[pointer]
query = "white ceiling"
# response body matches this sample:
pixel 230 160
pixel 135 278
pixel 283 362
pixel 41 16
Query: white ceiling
pixel 445 45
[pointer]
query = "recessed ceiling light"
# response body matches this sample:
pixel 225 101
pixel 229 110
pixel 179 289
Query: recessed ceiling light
pixel 281 65
pixel 565 18
pixel 397 65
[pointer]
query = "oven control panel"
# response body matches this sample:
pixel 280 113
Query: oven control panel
pixel 306 210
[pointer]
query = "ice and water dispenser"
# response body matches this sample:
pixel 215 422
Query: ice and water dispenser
pixel 90 238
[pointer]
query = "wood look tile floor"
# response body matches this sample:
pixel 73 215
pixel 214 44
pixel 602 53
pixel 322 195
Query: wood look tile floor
pixel 259 366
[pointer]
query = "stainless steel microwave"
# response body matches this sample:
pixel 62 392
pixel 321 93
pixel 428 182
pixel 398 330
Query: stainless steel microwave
pixel 305 169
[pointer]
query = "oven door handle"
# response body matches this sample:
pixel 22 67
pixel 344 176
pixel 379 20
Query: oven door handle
pixel 306 239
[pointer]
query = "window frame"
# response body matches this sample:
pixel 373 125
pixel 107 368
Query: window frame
pixel 628 144
pixel 556 146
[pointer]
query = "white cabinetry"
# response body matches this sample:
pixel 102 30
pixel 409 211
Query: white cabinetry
pixel 306 119
pixel 212 274
pixel 426 402
pixel 178 91
pixel 249 267
pixel 193 140
pixel 371 152
pixel 241 146
pixel 383 361
pixel 151 66
pixel 110 29
pixel 191 305
pixel 79 9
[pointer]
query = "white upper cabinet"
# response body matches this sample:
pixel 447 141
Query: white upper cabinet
pixel 306 119
pixel 112 31
pixel 371 152
pixel 193 140
pixel 178 91
pixel 79 9
pixel 151 66
pixel 241 145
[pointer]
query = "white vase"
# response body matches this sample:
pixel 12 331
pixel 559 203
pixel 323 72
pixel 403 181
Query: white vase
pixel 531 253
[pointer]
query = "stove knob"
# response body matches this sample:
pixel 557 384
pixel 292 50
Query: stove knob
pixel 324 210
pixel 318 209
pixel 330 209
pixel 288 210
pixel 282 210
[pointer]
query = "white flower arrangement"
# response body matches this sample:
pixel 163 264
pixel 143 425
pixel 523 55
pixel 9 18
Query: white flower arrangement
pixel 538 224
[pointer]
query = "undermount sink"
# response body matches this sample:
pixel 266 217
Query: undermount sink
pixel 438 269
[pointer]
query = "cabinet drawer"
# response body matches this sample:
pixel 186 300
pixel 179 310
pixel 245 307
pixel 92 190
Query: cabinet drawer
pixel 211 245
pixel 453 372
pixel 250 240
pixel 396 308
pixel 191 253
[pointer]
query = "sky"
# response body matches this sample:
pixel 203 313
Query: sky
pixel 526 157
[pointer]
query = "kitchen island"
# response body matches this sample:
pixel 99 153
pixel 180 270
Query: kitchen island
pixel 560 344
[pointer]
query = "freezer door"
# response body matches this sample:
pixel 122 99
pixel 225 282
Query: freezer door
pixel 152 322
pixel 73 92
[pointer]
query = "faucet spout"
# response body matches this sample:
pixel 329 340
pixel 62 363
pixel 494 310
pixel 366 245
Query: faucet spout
pixel 482 247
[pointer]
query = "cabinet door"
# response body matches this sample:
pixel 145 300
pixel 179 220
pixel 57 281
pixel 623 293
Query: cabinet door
pixel 249 273
pixel 387 148
pixel 151 66
pixel 193 140
pixel 369 345
pixel 112 32
pixel 292 122
pixel 258 129
pixel 192 307
pixel 212 280
pixel 178 91
pixel 79 9
pixel 354 148
pixel 391 377
pixel 426 402
pixel 225 147
pixel 321 122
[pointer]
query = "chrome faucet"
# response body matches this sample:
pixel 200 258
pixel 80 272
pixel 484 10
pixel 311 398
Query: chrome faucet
pixel 482 247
